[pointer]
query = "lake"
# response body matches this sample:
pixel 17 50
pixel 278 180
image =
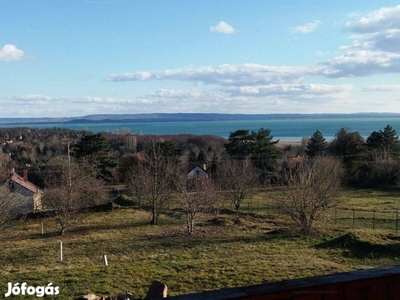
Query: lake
pixel 283 129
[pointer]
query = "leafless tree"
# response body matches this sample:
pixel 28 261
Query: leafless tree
pixel 10 210
pixel 154 180
pixel 197 195
pixel 70 188
pixel 237 178
pixel 308 190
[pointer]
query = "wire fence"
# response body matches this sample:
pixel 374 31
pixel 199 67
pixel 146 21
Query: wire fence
pixel 385 219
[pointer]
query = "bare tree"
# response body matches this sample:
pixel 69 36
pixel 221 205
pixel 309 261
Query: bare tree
pixel 308 190
pixel 197 195
pixel 10 202
pixel 237 178
pixel 154 180
pixel 70 188
pixel 9 209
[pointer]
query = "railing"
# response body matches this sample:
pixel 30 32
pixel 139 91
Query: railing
pixel 379 284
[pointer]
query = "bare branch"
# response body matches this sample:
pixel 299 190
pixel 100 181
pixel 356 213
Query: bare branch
pixel 238 179
pixel 308 190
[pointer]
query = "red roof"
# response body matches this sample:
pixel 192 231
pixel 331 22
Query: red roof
pixel 26 184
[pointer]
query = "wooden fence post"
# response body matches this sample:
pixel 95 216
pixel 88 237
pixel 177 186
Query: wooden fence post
pixel 397 221
pixel 105 260
pixel 353 216
pixel 61 252
pixel 41 227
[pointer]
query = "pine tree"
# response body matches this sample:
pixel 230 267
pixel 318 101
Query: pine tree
pixel 97 151
pixel 316 145
pixel 350 146
pixel 192 157
pixel 384 143
pixel 375 145
pixel 240 143
pixel 202 157
pixel 390 142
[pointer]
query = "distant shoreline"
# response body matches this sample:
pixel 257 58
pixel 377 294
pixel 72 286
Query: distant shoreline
pixel 187 117
pixel 289 131
pixel 283 143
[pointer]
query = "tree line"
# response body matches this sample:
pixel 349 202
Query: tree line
pixel 155 170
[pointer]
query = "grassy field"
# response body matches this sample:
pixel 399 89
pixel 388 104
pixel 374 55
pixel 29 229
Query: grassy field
pixel 255 249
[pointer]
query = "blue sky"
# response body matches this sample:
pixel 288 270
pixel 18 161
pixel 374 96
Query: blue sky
pixel 73 58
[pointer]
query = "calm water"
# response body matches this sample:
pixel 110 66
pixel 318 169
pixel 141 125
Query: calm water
pixel 290 129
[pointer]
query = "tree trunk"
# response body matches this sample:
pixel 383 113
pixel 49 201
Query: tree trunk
pixel 189 223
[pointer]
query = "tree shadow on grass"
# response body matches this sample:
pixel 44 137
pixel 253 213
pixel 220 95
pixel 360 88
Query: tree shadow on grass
pixel 353 246
pixel 89 228
pixel 78 229
pixel 180 239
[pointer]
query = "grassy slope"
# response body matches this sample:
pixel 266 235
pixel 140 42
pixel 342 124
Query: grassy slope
pixel 249 252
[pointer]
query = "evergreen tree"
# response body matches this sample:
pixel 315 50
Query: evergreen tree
pixel 97 151
pixel 192 157
pixel 390 142
pixel 264 154
pixel 375 145
pixel 384 144
pixel 316 145
pixel 259 146
pixel 349 146
pixel 214 166
pixel 375 140
pixel 201 158
pixel 168 149
pixel 240 144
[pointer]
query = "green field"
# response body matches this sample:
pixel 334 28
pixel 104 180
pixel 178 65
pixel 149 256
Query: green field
pixel 255 249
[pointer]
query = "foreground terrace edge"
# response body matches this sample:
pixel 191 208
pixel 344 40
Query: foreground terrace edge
pixel 377 283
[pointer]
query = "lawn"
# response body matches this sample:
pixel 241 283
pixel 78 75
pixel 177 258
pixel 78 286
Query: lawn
pixel 253 250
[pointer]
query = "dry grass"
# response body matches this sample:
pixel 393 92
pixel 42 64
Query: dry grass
pixel 251 251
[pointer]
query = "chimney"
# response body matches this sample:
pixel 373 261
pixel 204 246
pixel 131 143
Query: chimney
pixel 25 175
pixel 205 167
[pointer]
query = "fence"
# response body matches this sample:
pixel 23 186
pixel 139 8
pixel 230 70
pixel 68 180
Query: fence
pixel 373 219
pixel 344 216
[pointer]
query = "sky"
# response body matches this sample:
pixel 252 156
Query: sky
pixel 70 58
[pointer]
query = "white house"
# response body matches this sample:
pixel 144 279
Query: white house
pixel 196 170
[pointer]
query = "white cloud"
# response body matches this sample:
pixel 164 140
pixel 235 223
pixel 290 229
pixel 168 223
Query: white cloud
pixel 322 53
pixel 382 88
pixel 223 27
pixel 293 91
pixel 307 28
pixel 380 29
pixel 108 100
pixel 254 87
pixel 375 48
pixel 380 20
pixel 32 97
pixel 360 61
pixel 138 76
pixel 227 75
pixel 10 52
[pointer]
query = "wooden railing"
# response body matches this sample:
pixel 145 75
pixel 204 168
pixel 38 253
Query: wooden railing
pixel 378 284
